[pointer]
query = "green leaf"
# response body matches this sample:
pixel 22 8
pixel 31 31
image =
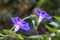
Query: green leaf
pixel 56 38
pixel 54 24
pixel 46 35
pixel 6 31
pixel 19 36
pixel 52 29
pixel 58 18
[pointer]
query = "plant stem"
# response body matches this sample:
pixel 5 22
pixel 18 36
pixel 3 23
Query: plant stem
pixel 34 26
pixel 13 27
pixel 28 17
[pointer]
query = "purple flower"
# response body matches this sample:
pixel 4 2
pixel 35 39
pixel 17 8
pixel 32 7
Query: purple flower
pixel 20 23
pixel 42 13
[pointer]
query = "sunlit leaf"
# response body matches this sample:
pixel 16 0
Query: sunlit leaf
pixel 6 31
pixel 58 18
pixel 54 24
pixel 52 29
pixel 19 36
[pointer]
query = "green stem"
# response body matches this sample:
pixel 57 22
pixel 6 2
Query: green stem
pixel 28 17
pixel 34 26
pixel 13 27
